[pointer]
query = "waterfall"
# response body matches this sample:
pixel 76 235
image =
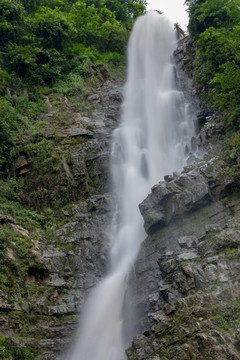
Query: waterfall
pixel 149 143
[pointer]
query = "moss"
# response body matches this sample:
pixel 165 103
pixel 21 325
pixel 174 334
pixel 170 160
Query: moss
pixel 231 155
pixel 233 253
pixel 211 234
pixel 189 330
pixel 68 246
pixel 66 318
pixel 47 183
pixel 9 351
pixel 190 261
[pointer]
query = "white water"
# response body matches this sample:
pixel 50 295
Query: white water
pixel 148 144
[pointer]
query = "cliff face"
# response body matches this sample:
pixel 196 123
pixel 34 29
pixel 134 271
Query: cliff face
pixel 187 274
pixel 188 287
pixel 189 266
pixel 40 308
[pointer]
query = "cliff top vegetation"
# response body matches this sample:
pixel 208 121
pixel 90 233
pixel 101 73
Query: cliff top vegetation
pixel 46 43
pixel 214 27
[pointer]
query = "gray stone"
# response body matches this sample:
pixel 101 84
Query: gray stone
pixel 187 256
pixel 94 98
pixel 188 242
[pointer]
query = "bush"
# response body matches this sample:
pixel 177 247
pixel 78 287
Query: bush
pixel 216 26
pixel 9 351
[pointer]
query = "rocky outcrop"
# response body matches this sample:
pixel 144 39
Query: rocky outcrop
pixel 68 151
pixel 188 270
pixel 75 261
pixel 77 258
pixel 43 309
pixel 193 329
pixel 197 186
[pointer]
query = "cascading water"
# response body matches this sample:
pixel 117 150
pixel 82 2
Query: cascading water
pixel 149 143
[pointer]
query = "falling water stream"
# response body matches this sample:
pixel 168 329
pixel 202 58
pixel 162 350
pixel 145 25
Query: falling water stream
pixel 149 143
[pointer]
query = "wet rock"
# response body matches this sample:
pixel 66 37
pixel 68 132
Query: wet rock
pixel 194 144
pixel 171 199
pixel 195 251
pixel 203 116
pixel 116 95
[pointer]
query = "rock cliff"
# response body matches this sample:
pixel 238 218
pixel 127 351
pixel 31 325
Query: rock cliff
pixel 189 265
pixel 188 288
pixel 40 308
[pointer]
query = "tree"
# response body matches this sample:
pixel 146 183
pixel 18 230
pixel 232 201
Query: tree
pixel 126 10
pixel 11 21
pixel 212 13
pixel 98 27
pixel 52 28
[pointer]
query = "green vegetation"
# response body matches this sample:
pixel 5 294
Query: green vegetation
pixel 50 50
pixel 53 46
pixel 41 40
pixel 214 26
pixel 9 351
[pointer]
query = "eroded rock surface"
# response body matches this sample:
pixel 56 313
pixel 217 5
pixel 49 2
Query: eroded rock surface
pixel 188 285
pixel 41 312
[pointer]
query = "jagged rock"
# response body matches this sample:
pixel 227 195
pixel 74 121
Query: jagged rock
pixel 220 240
pixel 193 247
pixel 203 116
pixel 180 32
pixel 116 95
pixel 188 241
pixel 193 189
pixel 187 332
pixel 95 98
pixel 78 129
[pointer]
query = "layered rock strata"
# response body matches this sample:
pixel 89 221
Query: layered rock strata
pixel 41 312
pixel 188 283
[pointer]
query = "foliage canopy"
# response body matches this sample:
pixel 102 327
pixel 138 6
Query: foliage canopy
pixel 215 26
pixel 43 42
pixel 37 36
